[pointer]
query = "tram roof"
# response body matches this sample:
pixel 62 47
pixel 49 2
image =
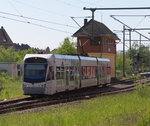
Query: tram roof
pixel 103 59
pixel 59 56
pixel 46 56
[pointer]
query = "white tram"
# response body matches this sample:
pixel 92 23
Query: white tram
pixel 52 73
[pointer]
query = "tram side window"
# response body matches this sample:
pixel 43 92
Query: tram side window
pixel 59 73
pixel 50 73
pixel 89 72
pixel 72 72
pixel 94 72
pixel 84 73
pixel 108 69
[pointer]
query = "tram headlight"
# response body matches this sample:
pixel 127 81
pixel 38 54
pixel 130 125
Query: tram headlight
pixel 25 85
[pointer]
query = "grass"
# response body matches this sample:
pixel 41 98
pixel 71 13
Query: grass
pixel 118 110
pixel 11 87
pixel 125 109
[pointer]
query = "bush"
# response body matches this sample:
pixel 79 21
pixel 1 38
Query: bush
pixel 142 89
pixel 11 87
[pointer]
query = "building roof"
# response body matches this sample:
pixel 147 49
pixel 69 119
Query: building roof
pixel 99 29
pixel 4 37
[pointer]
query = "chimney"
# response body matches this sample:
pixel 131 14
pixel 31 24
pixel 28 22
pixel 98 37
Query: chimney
pixel 85 21
pixel 2 27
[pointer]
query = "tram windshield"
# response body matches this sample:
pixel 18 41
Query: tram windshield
pixel 35 73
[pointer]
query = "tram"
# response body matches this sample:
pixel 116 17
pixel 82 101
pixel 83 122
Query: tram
pixel 52 73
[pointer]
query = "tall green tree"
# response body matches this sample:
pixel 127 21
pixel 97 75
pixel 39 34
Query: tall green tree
pixel 21 53
pixel 66 47
pixel 7 55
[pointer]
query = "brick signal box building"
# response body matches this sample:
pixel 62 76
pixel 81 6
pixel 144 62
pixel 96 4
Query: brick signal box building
pixel 95 39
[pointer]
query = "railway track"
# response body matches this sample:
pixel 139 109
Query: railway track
pixel 81 94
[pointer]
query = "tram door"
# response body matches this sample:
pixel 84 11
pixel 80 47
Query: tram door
pixel 72 77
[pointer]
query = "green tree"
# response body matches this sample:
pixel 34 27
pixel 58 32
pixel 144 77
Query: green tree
pixel 119 61
pixel 140 56
pixel 21 53
pixel 7 55
pixel 66 47
pixel 136 60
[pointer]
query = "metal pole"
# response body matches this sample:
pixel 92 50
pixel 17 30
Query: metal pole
pixel 140 41
pixel 130 39
pixel 130 44
pixel 124 8
pixel 140 61
pixel 129 27
pixel 93 10
pixel 124 51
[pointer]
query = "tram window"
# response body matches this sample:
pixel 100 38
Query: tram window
pixel 35 60
pixel 83 72
pixel 62 72
pixel 72 72
pixel 93 72
pixel 50 74
pixel 89 72
pixel 59 72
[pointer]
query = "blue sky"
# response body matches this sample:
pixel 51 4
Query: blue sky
pixel 59 12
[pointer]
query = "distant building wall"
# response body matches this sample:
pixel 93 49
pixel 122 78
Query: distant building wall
pixel 12 69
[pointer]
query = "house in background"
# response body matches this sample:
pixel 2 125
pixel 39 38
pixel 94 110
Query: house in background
pixel 97 40
pixel 12 69
pixel 5 39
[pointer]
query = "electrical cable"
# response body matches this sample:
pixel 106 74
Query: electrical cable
pixel 34 24
pixel 16 9
pixel 38 8
pixel 68 4
pixel 36 19
pixel 140 22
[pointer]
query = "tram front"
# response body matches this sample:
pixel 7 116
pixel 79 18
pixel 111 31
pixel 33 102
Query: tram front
pixel 34 75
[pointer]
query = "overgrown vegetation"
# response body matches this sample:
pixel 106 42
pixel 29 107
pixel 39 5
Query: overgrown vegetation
pixel 9 55
pixel 136 60
pixel 11 87
pixel 66 47
pixel 125 109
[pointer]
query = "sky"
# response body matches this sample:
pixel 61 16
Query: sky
pixel 42 23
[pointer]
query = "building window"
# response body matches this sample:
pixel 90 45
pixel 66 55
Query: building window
pixel 96 41
pixel 4 40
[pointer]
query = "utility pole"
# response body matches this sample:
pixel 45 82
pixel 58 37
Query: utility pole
pixel 130 40
pixel 124 51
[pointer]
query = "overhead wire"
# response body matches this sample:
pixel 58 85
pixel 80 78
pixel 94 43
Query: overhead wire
pixel 89 3
pixel 35 24
pixel 40 9
pixel 68 4
pixel 140 22
pixel 16 9
pixel 6 13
